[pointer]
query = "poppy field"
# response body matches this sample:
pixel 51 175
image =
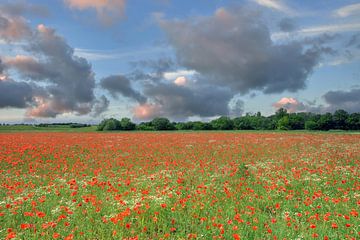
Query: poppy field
pixel 207 185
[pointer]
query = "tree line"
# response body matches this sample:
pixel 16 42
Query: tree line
pixel 281 120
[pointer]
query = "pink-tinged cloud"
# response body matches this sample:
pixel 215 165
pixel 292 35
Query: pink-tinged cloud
pixel 146 111
pixel 42 108
pixel 180 81
pixel 20 61
pixel 3 77
pixel 290 104
pixel 13 28
pixel 107 10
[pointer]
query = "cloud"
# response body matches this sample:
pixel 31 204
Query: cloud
pixel 287 25
pixel 348 10
pixel 158 67
pixel 318 30
pixel 58 82
pixel 181 81
pixel 171 95
pixel 178 102
pixel 277 5
pixel 100 106
pixel 2 66
pixel 15 94
pixel 112 54
pixel 290 104
pixel 13 28
pixel 29 67
pixel 236 107
pixel 121 85
pixel 233 48
pixel 179 73
pixel 347 100
pixel 70 79
pixel 146 111
pixel 108 11
pixel 334 100
pixel 21 7
pixel 354 41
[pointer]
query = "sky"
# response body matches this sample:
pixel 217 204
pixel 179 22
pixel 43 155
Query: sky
pixel 86 60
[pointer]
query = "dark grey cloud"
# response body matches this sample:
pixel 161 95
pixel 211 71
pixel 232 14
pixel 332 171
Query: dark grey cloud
pixel 100 106
pixel 70 79
pixel 22 7
pixel 151 70
pixel 179 101
pixel 166 98
pixel 233 48
pixel 66 81
pixel 15 94
pixel 287 25
pixel 2 66
pixel 334 100
pixel 121 85
pixel 354 41
pixel 30 68
pixel 347 100
pixel 160 65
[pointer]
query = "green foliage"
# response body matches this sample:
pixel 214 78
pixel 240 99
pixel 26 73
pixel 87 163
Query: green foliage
pixel 340 119
pixel 109 125
pixel 296 121
pixel 127 125
pixel 280 113
pixel 284 123
pixel 311 125
pixel 161 123
pixel 184 126
pixel 201 126
pixel 353 121
pixel 326 122
pixel 281 120
pixel 222 123
pixel 145 126
pixel 78 125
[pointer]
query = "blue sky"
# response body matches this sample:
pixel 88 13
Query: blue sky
pixel 82 60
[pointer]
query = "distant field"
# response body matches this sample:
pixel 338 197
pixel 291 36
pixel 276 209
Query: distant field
pixel 54 128
pixel 207 185
pixel 66 128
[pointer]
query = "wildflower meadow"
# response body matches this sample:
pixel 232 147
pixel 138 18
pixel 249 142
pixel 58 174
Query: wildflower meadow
pixel 184 185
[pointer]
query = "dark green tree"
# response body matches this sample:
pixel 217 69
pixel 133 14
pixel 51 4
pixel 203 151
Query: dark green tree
pixel 326 122
pixel 184 125
pixel 284 123
pixel 127 125
pixel 280 113
pixel 111 124
pixel 201 126
pixel 353 121
pixel 145 126
pixel 311 125
pixel 161 123
pixel 222 123
pixel 340 119
pixel 243 123
pixel 296 121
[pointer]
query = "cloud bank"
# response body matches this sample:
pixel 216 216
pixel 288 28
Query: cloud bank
pixel 334 100
pixel 55 81
pixel 234 48
pixel 108 11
